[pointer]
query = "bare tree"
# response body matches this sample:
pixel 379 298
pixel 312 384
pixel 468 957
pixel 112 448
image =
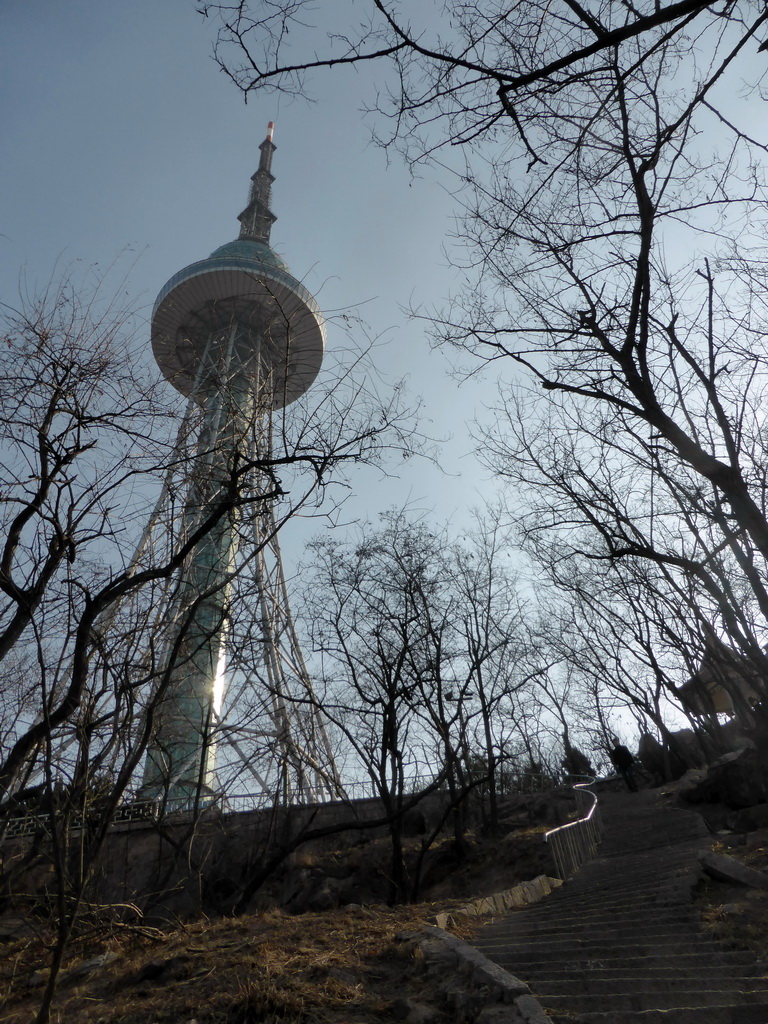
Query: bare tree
pixel 496 647
pixel 626 539
pixel 88 444
pixel 376 615
pixel 615 217
pixel 424 652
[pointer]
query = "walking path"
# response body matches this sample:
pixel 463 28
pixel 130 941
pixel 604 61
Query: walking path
pixel 620 943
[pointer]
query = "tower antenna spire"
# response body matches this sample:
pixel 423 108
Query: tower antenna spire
pixel 257 218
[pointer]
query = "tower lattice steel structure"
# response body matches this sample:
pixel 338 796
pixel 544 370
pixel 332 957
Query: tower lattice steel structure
pixel 241 338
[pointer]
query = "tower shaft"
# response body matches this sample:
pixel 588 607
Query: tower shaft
pixel 181 758
pixel 241 337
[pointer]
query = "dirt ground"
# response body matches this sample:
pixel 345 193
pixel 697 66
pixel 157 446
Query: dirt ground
pixel 338 967
pixel 342 966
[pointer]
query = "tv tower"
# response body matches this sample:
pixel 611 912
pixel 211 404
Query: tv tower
pixel 240 337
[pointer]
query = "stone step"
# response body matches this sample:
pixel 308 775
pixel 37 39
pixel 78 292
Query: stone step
pixel 680 908
pixel 513 932
pixel 648 1000
pixel 646 829
pixel 646 868
pixel 643 914
pixel 640 859
pixel 726 963
pixel 664 903
pixel 636 833
pixel 596 985
pixel 658 913
pixel 636 845
pixel 757 1013
pixel 676 890
pixel 650 868
pixel 651 872
pixel 620 942
pixel 662 846
pixel 588 930
pixel 513 957
pixel 677 880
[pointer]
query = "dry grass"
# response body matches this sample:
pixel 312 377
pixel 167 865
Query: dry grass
pixel 339 966
pixel 336 967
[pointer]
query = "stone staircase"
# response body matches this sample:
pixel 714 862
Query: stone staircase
pixel 620 942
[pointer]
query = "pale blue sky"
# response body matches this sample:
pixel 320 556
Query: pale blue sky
pixel 119 131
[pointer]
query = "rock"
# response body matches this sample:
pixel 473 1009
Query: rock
pixel 732 755
pixel 656 759
pixel 414 824
pixel 440 863
pixel 88 966
pixel 726 869
pixel 14 928
pixel 322 898
pixel 738 780
pixel 151 970
pixel 478 989
pixel 313 891
pixel 731 910
pixel 495 979
pixel 688 783
pixel 361 911
pixel 732 839
pixel 462 1003
pixel 758 839
pixel 530 1011
pixel 154 969
pixel 412 1012
pixel 498 1015
pixel 438 955
pixel 747 819
pixel 441 946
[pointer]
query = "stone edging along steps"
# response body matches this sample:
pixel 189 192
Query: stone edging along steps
pixel 477 989
pixel 620 942
pixel 518 896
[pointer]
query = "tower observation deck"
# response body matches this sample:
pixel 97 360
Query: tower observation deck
pixel 240 337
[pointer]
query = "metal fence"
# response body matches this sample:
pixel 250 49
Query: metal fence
pixel 575 843
pixel 507 782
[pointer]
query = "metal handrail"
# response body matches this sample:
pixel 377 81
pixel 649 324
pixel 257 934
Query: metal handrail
pixel 575 843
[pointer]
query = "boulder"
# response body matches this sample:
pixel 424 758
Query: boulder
pixel 439 863
pixel 732 839
pixel 414 823
pixel 737 780
pixel 412 1012
pixel 681 753
pixel 95 963
pixel 748 819
pixel 757 840
pixel 689 783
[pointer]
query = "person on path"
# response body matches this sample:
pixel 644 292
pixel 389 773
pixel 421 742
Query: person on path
pixel 624 763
